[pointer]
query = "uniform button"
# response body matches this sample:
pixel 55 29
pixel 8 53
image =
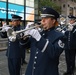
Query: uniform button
pixel 33 67
pixel 37 52
pixel 9 42
pixel 35 57
pixel 43 34
pixel 34 62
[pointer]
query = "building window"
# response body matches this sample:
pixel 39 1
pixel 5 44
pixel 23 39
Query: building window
pixel 17 7
pixel 68 5
pixel 72 0
pixel 63 5
pixel 71 11
pixel 30 3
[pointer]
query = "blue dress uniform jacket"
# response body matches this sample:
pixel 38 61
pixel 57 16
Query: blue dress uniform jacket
pixel 14 55
pixel 14 50
pixel 70 39
pixel 70 50
pixel 45 61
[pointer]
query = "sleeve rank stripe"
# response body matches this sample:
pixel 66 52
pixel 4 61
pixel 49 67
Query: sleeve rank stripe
pixel 45 46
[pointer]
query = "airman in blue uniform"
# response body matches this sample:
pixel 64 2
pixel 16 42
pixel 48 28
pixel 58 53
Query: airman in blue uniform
pixel 14 50
pixel 70 46
pixel 46 46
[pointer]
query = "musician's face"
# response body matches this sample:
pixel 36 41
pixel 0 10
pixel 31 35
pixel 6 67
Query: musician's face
pixel 47 23
pixel 15 22
pixel 71 21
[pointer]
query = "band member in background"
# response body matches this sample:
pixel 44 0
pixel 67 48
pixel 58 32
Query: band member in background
pixel 70 46
pixel 14 50
pixel 46 46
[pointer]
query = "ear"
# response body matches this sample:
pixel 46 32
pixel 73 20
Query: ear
pixel 54 21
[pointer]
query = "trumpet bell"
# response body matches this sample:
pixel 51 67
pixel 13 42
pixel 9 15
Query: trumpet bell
pixel 9 32
pixel 11 35
pixel 12 38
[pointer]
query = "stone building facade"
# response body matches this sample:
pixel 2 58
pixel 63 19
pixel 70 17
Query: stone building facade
pixel 68 7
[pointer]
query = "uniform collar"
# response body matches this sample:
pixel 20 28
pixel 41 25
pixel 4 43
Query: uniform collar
pixel 51 29
pixel 45 31
pixel 16 26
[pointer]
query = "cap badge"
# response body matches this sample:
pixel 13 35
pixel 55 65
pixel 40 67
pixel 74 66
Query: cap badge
pixel 43 8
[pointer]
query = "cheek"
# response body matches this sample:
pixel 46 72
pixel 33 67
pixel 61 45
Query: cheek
pixel 43 21
pixel 14 22
pixel 71 22
pixel 50 24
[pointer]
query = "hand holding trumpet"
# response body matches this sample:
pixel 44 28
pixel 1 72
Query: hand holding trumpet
pixel 4 27
pixel 33 32
pixel 70 28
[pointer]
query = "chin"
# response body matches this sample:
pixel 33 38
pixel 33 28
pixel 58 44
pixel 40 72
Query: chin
pixel 45 28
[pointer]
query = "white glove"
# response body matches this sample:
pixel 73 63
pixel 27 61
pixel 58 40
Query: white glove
pixel 5 28
pixel 59 29
pixel 70 28
pixel 27 27
pixel 34 33
pixel 63 31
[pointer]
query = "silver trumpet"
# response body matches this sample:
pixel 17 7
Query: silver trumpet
pixel 28 29
pixel 12 34
pixel 5 26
